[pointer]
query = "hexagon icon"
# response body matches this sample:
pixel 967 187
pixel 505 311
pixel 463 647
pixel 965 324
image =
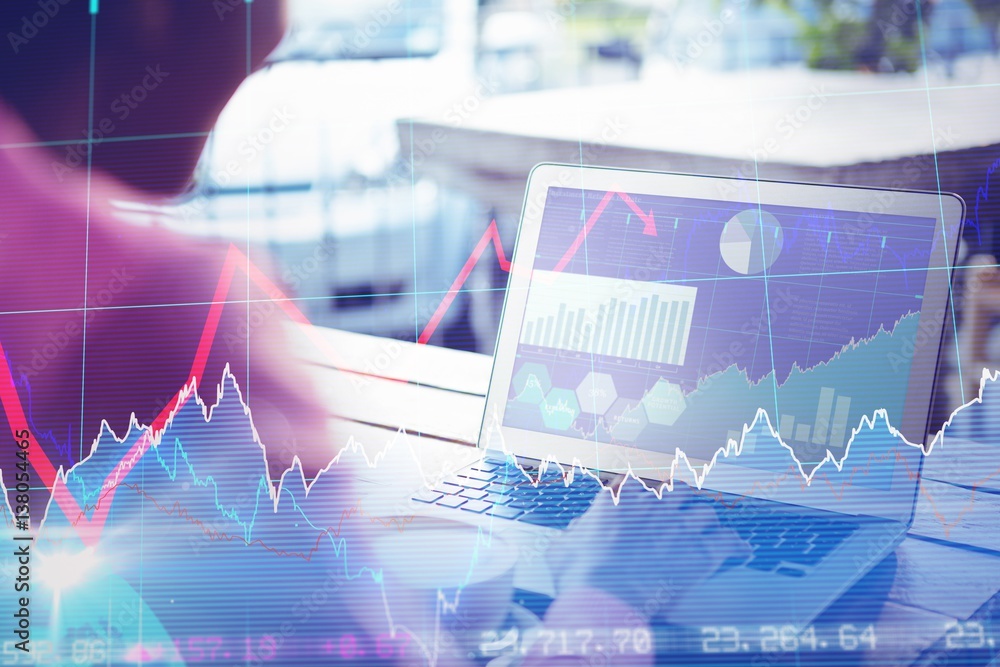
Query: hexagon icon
pixel 664 403
pixel 559 409
pixel 596 393
pixel 626 419
pixel 531 383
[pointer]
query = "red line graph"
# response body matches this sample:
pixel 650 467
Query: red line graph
pixel 492 235
pixel 89 530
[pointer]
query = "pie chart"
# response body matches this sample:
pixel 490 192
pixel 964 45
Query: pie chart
pixel 751 241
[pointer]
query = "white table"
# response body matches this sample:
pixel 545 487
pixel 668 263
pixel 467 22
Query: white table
pixel 795 124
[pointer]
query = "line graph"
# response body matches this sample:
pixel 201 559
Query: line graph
pixel 682 467
pixel 649 225
pixel 492 235
pixel 836 476
pixel 983 195
pixel 172 461
pixel 89 530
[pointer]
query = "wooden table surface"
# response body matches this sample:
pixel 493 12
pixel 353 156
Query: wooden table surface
pixel 948 568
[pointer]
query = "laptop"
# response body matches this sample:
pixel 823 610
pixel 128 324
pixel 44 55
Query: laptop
pixel 754 339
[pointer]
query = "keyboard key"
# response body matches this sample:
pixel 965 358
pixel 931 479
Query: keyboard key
pixel 732 562
pixel 796 544
pixel 505 512
pixel 523 504
pixel 497 498
pixel 470 473
pixel 774 532
pixel 427 496
pixel 764 541
pixel 575 510
pixel 790 572
pixel 805 560
pixel 468 483
pixel 502 490
pixel 550 520
pixel 822 546
pixel 765 563
pixel 477 506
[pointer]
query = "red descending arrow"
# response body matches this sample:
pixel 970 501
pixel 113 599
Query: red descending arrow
pixel 649 225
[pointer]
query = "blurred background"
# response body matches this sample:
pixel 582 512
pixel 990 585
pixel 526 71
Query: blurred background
pixel 373 153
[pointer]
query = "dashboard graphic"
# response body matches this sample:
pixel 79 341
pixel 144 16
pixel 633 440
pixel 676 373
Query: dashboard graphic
pixel 582 314
pixel 751 241
pixel 676 339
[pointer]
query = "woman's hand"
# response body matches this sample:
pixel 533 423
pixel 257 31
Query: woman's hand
pixel 644 550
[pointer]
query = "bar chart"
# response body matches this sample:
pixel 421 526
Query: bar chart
pixel 829 427
pixel 608 316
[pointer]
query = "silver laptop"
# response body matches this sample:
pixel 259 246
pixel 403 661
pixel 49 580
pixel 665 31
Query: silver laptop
pixel 755 339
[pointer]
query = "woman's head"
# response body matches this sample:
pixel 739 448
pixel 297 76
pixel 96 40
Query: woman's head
pixel 145 79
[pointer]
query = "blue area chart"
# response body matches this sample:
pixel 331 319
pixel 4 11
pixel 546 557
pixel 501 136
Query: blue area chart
pixel 198 537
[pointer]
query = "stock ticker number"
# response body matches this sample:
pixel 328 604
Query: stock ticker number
pixel 576 642
pixel 846 637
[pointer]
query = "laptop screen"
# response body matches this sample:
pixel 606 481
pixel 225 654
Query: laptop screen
pixel 665 323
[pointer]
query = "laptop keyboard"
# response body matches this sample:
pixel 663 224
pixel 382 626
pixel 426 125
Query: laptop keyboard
pixel 496 487
pixel 783 542
pixel 780 541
